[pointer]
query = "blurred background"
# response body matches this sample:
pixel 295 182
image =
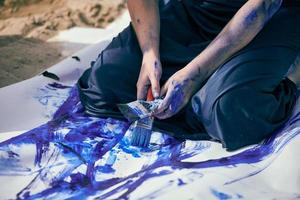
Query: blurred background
pixel 35 34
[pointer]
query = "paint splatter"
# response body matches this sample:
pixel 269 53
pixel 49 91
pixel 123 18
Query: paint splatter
pixel 76 58
pixel 77 156
pixel 58 85
pixel 50 75
pixel 220 195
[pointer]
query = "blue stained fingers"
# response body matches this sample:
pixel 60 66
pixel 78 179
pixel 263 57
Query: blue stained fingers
pixel 177 98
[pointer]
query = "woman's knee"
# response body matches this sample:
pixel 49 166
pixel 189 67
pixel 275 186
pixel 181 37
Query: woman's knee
pixel 238 119
pixel 106 74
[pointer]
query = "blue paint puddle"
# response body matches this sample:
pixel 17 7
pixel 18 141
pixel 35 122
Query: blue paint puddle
pixel 76 156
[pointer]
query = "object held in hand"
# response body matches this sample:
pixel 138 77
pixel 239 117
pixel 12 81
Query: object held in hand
pixel 140 112
pixel 139 109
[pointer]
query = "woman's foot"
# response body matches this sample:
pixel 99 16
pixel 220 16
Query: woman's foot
pixel 294 72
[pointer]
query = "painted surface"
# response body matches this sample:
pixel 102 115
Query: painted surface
pixel 76 156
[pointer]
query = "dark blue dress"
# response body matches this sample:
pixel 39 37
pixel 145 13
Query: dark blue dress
pixel 243 102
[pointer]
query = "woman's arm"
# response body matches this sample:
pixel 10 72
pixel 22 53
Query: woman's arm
pixel 145 20
pixel 239 31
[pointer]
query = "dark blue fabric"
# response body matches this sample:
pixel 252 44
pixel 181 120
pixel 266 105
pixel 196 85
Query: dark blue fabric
pixel 244 101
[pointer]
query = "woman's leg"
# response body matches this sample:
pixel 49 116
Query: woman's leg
pixel 248 97
pixel 112 78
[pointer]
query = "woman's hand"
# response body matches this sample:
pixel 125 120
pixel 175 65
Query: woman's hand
pixel 146 23
pixel 150 75
pixel 177 91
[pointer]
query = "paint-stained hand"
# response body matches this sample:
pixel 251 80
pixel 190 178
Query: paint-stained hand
pixel 150 75
pixel 177 92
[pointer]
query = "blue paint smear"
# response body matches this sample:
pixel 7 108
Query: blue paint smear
pixel 83 140
pixel 127 148
pixel 105 169
pixel 180 182
pixel 224 196
pixel 220 195
pixel 58 86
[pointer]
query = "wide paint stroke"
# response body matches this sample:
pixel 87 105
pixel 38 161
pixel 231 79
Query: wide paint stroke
pixel 75 153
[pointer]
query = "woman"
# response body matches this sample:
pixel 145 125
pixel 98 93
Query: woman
pixel 223 67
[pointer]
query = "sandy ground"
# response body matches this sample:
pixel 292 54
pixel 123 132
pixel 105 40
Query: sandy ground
pixel 26 27
pixel 22 58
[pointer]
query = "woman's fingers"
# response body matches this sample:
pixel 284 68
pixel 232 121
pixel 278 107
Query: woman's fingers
pixel 164 115
pixel 164 89
pixel 142 92
pixel 164 111
pixel 149 76
pixel 142 88
pixel 164 104
pixel 155 86
pixel 155 76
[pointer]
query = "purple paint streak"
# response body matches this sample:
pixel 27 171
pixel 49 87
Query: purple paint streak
pixel 58 85
pixel 82 140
